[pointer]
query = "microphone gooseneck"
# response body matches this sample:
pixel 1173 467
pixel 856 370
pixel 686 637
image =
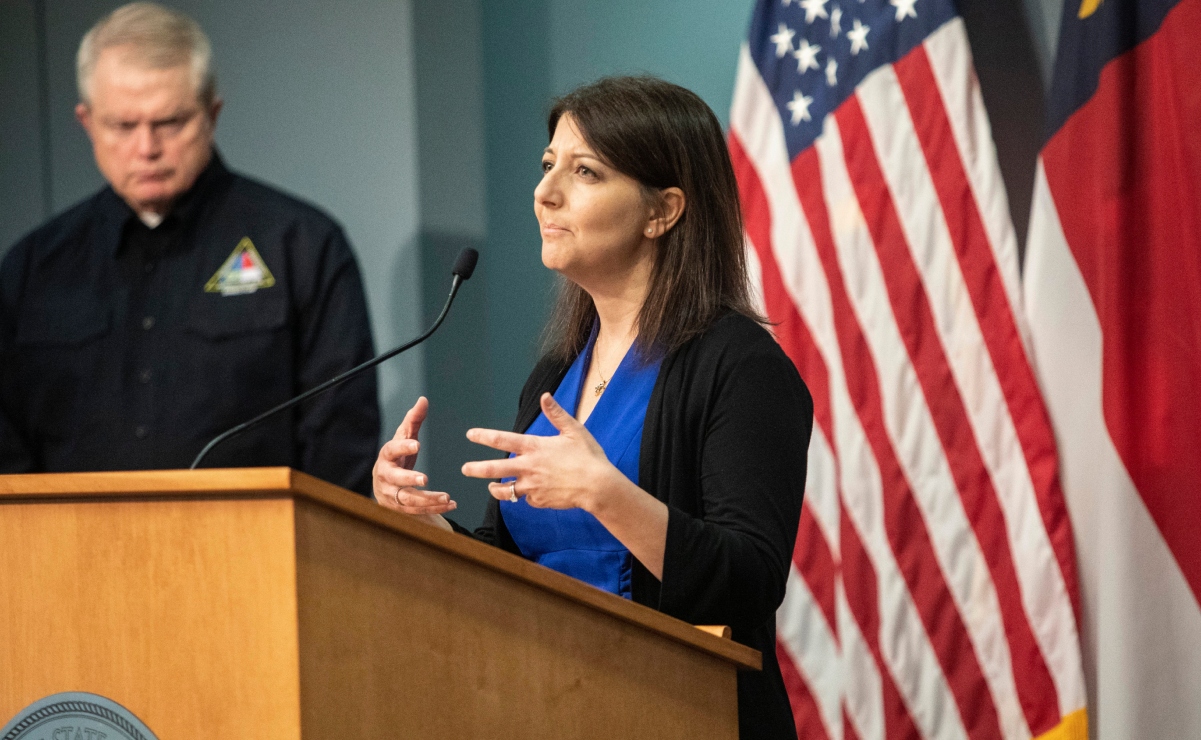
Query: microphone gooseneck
pixel 464 266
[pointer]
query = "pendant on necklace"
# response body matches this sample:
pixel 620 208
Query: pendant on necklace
pixel 599 388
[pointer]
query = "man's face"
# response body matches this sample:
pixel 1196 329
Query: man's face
pixel 151 135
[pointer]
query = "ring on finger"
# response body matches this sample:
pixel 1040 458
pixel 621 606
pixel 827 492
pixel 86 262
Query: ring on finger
pixel 397 496
pixel 513 491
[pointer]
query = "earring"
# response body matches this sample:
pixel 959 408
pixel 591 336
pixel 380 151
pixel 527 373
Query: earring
pixel 650 231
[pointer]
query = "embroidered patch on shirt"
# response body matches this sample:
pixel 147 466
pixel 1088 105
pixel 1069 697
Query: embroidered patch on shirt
pixel 244 271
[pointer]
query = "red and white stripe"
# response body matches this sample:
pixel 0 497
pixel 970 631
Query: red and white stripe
pixel 932 585
pixel 1113 295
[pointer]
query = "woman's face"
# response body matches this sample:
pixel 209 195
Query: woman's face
pixel 593 218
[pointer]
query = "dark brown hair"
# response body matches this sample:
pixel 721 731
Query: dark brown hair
pixel 662 135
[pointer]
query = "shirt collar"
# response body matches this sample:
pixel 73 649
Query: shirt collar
pixel 117 213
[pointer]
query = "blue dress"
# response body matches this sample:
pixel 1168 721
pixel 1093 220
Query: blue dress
pixel 572 541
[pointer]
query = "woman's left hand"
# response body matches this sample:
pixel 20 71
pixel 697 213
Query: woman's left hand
pixel 561 472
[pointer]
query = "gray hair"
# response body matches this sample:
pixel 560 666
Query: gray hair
pixel 160 38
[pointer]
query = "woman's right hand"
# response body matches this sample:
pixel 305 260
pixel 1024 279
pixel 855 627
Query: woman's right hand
pixel 397 485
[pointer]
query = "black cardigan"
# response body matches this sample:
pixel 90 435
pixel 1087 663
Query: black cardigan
pixel 724 446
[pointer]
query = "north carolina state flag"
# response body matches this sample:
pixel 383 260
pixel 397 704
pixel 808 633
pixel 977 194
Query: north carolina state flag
pixel 1113 296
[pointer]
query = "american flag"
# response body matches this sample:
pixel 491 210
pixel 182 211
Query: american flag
pixel 933 588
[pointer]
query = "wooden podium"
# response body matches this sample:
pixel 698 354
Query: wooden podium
pixel 264 603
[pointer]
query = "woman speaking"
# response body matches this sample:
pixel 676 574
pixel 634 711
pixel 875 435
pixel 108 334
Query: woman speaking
pixel 660 444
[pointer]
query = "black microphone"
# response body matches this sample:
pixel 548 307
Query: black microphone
pixel 464 266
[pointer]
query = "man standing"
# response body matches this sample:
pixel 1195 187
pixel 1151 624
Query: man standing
pixel 181 299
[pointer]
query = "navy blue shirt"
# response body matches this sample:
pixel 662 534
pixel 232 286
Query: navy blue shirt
pixel 124 347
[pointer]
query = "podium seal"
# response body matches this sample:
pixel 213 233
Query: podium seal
pixel 75 715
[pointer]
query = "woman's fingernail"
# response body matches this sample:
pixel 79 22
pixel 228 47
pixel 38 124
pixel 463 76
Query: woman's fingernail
pixel 421 480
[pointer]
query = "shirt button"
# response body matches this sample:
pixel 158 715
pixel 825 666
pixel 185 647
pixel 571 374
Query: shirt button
pixel 148 323
pixel 141 431
pixel 144 376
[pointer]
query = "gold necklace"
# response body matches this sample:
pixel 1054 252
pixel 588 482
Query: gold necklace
pixel 599 388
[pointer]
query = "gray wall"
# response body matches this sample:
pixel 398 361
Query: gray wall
pixel 694 44
pixel 1043 17
pixel 450 115
pixel 319 101
pixel 24 188
pixel 419 125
